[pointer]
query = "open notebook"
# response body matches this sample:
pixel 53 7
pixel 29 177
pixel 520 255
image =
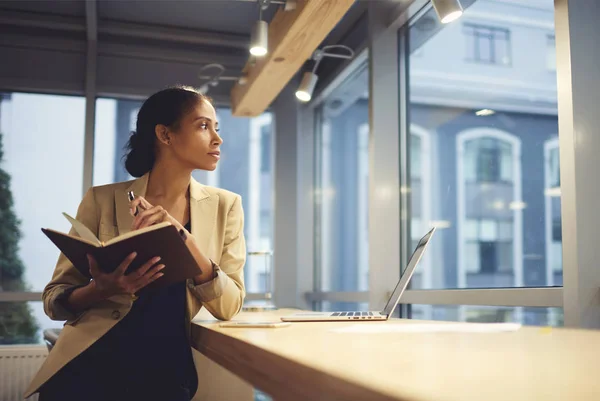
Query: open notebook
pixel 161 239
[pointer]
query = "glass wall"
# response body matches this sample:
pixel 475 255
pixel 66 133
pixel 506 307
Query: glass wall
pixel 35 129
pixel 245 168
pixel 483 147
pixel 342 177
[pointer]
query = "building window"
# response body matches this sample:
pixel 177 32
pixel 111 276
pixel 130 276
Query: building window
pixel 487 45
pixel 488 248
pixel 489 209
pixel 551 53
pixel 488 160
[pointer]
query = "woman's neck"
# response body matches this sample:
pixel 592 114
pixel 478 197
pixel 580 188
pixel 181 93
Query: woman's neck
pixel 167 184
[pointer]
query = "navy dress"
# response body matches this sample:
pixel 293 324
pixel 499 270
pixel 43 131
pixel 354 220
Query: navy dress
pixel 145 356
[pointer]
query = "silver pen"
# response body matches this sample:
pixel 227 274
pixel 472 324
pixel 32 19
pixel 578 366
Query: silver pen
pixel 131 197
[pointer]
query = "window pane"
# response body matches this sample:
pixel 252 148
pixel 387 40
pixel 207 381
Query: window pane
pixel 493 153
pixel 342 196
pixel 245 168
pixel 551 53
pixel 490 314
pixel 35 129
pixel 24 323
pixel 115 120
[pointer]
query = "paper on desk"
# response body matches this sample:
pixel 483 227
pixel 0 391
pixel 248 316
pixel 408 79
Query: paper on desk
pixel 430 328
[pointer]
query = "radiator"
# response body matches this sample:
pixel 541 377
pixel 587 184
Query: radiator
pixel 18 365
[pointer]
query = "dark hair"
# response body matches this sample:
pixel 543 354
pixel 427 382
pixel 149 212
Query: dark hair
pixel 166 107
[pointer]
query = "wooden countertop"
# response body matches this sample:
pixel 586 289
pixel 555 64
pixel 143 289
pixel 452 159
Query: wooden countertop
pixel 314 361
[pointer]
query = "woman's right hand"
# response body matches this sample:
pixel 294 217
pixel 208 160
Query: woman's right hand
pixel 117 282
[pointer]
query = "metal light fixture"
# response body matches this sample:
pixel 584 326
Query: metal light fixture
pixel 259 40
pixel 210 79
pixel 307 86
pixel 259 45
pixel 310 78
pixel 447 10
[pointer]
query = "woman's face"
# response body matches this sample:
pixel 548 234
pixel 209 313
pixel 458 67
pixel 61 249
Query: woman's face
pixel 196 142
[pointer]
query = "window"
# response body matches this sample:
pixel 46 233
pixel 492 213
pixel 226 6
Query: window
pixel 35 129
pixel 551 53
pixel 245 168
pixel 115 120
pixel 342 160
pixel 487 45
pixel 490 314
pixel 493 187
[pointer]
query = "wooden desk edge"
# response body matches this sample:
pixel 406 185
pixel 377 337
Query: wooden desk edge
pixel 279 377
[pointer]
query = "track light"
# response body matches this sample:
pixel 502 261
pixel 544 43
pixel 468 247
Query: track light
pixel 307 86
pixel 259 45
pixel 310 78
pixel 447 10
pixel 210 79
pixel 259 40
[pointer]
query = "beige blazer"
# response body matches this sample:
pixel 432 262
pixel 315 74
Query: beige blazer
pixel 217 221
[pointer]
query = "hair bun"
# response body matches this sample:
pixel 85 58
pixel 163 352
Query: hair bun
pixel 140 159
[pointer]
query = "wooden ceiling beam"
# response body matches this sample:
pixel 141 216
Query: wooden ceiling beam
pixel 293 37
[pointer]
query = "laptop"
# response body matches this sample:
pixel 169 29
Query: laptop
pixel 386 313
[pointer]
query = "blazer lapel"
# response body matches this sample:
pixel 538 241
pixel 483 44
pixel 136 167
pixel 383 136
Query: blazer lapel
pixel 203 215
pixel 124 218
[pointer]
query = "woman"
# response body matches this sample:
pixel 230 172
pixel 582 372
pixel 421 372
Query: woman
pixel 116 346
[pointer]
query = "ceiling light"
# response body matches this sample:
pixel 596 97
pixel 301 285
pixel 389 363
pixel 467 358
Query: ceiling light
pixel 307 86
pixel 484 112
pixel 447 10
pixel 517 205
pixel 259 43
pixel 441 224
pixel 310 78
pixel 290 5
pixel 259 39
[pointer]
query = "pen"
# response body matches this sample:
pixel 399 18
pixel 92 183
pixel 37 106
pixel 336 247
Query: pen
pixel 131 197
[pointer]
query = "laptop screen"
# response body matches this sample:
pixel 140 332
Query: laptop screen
pixel 408 272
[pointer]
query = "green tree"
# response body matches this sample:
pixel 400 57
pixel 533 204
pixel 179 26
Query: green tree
pixel 17 324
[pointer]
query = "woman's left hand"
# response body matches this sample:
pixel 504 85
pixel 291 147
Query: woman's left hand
pixel 149 214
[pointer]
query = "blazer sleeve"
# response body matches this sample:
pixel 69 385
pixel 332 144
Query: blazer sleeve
pixel 66 277
pixel 224 295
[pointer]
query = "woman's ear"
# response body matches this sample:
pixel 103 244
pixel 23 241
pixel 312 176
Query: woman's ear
pixel 162 134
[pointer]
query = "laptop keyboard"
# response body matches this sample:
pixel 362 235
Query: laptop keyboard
pixel 352 314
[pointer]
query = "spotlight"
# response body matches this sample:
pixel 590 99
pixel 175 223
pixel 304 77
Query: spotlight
pixel 447 10
pixel 307 86
pixel 259 44
pixel 259 40
pixel 310 78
